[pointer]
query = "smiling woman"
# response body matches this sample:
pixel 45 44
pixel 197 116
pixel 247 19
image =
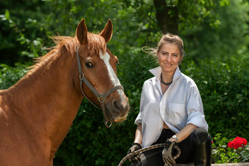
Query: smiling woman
pixel 171 112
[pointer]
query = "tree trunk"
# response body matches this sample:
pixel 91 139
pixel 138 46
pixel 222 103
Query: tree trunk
pixel 167 17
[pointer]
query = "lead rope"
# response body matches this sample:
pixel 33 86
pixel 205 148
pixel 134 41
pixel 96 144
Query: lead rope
pixel 138 152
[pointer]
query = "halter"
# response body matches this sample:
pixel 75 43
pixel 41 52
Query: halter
pixel 100 96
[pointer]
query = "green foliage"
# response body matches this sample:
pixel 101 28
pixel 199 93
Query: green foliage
pixel 20 28
pixel 10 75
pixel 194 13
pixel 224 87
pixel 222 41
pixel 27 25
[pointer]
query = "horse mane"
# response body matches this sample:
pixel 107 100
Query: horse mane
pixel 95 44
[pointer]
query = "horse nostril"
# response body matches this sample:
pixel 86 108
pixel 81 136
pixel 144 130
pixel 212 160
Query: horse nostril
pixel 115 105
pixel 120 107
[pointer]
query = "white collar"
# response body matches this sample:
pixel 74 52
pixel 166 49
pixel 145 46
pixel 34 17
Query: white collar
pixel 158 70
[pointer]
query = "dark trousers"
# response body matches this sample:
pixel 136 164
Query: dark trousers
pixel 154 156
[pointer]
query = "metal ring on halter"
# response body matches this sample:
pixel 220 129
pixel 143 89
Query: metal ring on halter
pixel 108 125
pixel 101 98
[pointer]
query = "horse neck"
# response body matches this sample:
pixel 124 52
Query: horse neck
pixel 47 97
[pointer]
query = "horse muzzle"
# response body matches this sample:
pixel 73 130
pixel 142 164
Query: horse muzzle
pixel 118 109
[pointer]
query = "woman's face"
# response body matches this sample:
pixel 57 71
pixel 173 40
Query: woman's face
pixel 169 57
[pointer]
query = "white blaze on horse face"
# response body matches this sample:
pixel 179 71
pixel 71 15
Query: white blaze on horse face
pixel 114 79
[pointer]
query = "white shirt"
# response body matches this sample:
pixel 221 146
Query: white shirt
pixel 180 105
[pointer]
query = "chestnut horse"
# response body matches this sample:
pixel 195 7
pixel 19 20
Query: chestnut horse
pixel 37 112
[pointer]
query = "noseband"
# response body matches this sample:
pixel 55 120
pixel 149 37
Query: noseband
pixel 100 96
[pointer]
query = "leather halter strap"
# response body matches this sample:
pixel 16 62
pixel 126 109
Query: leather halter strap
pixel 100 96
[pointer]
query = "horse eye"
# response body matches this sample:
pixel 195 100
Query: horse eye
pixel 89 64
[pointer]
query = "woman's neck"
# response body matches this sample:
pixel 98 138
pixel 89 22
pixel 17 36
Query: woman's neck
pixel 167 77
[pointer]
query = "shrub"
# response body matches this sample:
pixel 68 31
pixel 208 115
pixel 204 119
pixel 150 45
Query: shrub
pixel 224 87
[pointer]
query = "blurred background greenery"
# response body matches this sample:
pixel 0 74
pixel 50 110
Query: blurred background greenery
pixel 216 37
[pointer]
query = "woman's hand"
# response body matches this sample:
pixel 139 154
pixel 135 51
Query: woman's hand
pixel 167 153
pixel 134 147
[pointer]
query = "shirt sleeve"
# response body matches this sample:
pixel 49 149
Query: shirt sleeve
pixel 195 109
pixel 138 119
pixel 139 116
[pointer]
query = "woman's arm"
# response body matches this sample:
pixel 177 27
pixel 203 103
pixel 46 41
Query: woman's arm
pixel 184 133
pixel 138 134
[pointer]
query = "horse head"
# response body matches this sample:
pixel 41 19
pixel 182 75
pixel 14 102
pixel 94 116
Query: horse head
pixel 98 74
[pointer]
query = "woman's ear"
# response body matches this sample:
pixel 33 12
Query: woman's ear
pixel 180 61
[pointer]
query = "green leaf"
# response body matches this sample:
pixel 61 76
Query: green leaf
pixel 7 14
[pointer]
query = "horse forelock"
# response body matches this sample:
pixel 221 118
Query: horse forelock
pixel 95 44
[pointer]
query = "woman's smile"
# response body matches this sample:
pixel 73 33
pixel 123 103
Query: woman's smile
pixel 166 64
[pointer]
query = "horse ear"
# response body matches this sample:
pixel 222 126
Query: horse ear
pixel 106 33
pixel 81 32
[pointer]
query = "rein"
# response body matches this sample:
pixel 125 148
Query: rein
pixel 100 96
pixel 138 152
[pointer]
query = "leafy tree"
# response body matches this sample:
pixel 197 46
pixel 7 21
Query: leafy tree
pixel 174 14
pixel 220 42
